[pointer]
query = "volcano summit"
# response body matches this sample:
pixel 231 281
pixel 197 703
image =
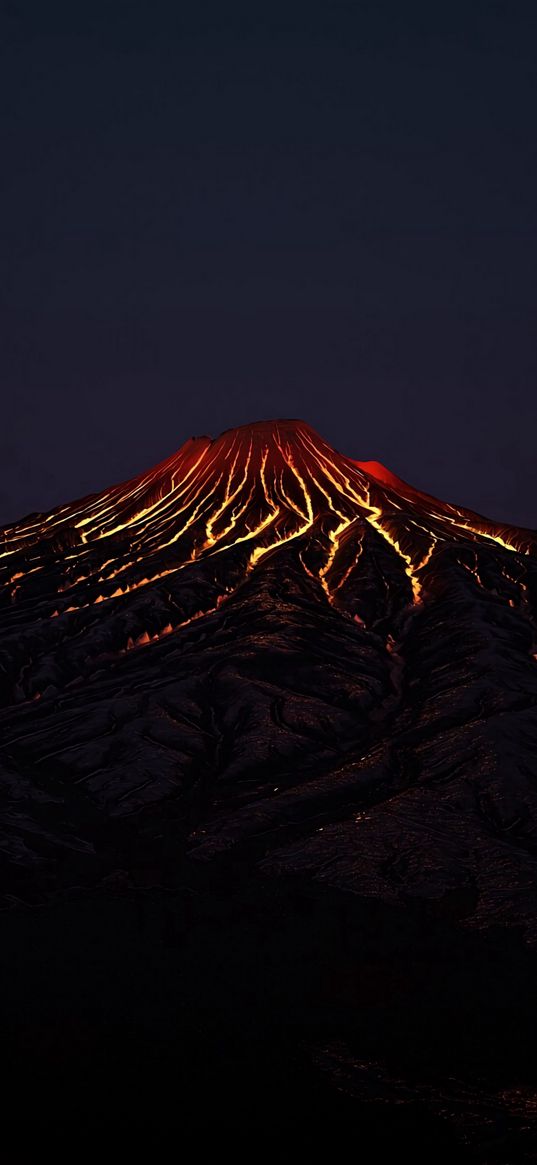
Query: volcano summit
pixel 279 705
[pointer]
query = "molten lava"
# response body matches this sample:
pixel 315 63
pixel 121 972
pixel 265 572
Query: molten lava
pixel 273 712
pixel 255 489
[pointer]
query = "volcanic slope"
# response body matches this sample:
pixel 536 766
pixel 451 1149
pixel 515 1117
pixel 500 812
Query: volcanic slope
pixel 268 774
pixel 263 638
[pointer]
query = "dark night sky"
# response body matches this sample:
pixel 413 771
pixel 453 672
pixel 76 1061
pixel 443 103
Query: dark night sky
pixel 212 214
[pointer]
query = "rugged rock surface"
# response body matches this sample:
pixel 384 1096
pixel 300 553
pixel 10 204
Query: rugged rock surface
pixel 269 713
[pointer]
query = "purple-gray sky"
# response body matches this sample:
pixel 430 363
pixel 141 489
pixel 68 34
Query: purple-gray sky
pixel 214 213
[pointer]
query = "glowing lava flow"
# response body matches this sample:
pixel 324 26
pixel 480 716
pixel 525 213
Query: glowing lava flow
pixel 248 493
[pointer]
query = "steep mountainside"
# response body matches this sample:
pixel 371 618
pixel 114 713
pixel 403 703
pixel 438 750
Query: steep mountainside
pixel 287 685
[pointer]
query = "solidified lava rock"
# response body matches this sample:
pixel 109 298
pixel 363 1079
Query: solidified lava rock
pixel 279 708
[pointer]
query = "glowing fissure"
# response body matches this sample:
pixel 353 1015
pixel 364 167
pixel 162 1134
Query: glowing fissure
pixel 229 497
pixel 145 638
pixel 267 485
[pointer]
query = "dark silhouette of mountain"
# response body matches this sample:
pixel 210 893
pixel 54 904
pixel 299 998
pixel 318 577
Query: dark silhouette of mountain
pixel 269 781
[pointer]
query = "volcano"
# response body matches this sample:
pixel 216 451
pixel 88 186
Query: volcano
pixel 268 760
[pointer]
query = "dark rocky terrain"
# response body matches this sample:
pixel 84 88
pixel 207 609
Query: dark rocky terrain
pixel 269 803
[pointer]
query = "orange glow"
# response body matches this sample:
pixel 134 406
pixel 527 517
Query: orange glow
pixel 268 485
